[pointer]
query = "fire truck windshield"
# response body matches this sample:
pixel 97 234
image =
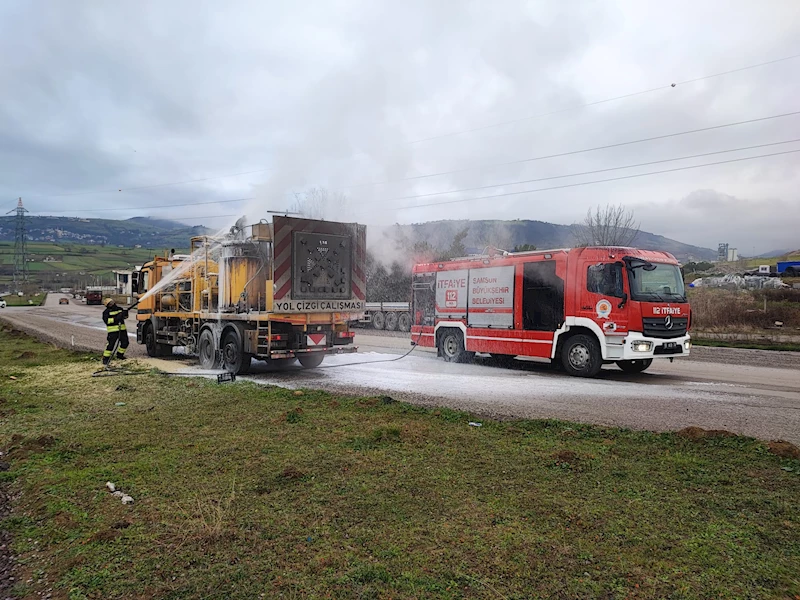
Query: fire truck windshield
pixel 664 283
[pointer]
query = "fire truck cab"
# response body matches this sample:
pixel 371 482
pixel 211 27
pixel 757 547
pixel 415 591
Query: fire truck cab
pixel 581 308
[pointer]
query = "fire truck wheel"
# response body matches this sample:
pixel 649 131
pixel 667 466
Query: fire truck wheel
pixel 206 349
pixel 311 360
pixel 451 347
pixel 234 359
pixel 581 356
pixel 391 321
pixel 634 366
pixel 404 322
pixel 378 320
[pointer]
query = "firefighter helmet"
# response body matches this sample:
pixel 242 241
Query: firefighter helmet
pixel 108 301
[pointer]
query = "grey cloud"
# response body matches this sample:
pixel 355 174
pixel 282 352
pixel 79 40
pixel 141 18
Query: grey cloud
pixel 333 94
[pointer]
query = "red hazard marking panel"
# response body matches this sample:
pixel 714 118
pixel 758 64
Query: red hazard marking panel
pixel 284 226
pixel 316 339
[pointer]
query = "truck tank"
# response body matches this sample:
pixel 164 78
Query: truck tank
pixel 243 269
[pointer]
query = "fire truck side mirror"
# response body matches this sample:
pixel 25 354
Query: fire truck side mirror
pixel 135 282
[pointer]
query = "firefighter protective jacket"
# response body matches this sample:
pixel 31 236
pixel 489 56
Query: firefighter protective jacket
pixel 114 318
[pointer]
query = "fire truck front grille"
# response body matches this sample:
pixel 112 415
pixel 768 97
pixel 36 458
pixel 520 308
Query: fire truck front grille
pixel 665 327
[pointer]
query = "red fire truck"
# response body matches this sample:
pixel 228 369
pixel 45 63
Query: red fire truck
pixel 581 308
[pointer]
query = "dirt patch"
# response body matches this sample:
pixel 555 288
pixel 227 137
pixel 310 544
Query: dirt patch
pixel 698 433
pixel 6 560
pixel 784 449
pixel 565 456
pixel 22 447
pixel 106 535
pixel 291 472
pixel 26 355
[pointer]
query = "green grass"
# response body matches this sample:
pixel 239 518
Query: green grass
pixel 244 491
pixel 787 347
pixel 75 259
pixel 26 300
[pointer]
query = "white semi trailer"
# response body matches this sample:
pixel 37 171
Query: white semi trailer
pixel 389 316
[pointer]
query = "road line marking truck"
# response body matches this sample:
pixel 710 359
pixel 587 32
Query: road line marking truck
pixel 271 291
pixel 580 308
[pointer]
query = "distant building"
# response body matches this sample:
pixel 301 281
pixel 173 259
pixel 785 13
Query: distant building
pixel 123 283
pixel 722 252
pixel 733 254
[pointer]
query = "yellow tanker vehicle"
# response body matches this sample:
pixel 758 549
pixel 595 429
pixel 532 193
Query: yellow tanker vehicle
pixel 271 291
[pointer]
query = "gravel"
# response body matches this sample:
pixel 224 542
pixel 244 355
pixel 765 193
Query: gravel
pixel 62 333
pixel 741 356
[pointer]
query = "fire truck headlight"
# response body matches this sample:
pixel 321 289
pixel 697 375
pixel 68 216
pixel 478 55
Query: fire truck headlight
pixel 687 344
pixel 642 346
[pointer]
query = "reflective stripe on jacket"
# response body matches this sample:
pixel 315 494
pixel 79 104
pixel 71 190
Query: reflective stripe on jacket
pixel 114 319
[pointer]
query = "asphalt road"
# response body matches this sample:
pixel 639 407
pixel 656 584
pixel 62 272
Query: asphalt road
pixel 750 392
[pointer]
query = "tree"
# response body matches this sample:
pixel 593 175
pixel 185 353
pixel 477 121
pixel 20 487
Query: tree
pixel 319 203
pixel 607 226
pixel 457 247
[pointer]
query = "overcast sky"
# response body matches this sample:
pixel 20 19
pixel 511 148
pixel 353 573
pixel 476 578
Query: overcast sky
pixel 101 97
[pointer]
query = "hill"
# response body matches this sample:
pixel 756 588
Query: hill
pixel 509 234
pixel 142 231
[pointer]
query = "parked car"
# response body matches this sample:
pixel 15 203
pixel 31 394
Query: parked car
pixel 2 303
pixel 63 300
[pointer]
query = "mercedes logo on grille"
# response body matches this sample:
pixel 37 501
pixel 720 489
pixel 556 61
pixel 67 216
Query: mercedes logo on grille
pixel 668 322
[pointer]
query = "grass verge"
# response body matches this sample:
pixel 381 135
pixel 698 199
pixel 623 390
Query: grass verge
pixel 244 491
pixel 28 300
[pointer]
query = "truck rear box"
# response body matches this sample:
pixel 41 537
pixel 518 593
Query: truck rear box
pixel 319 266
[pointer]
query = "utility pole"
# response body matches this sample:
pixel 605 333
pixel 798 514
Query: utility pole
pixel 20 246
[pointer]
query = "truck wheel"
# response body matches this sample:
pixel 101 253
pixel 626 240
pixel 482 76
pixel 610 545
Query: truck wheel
pixel 451 347
pixel 391 321
pixel 581 356
pixel 154 349
pixel 311 359
pixel 378 320
pixel 234 358
pixel 404 322
pixel 634 366
pixel 207 350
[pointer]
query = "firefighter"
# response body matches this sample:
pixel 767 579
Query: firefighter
pixel 114 318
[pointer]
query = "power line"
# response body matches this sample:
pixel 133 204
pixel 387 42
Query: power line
pixel 557 187
pixel 569 185
pixel 572 152
pixel 155 185
pixel 644 164
pixel 201 218
pixel 623 96
pixel 596 102
pixel 93 210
